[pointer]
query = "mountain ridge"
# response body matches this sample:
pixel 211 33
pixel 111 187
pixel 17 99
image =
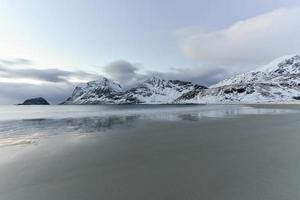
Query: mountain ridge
pixel 151 91
pixel 276 82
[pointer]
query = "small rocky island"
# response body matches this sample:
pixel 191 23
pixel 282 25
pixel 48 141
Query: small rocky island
pixel 35 101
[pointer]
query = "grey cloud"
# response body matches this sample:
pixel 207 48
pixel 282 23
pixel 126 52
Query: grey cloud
pixel 16 61
pixel 124 72
pixel 121 70
pixel 56 83
pixel 128 74
pixel 200 76
pixel 47 75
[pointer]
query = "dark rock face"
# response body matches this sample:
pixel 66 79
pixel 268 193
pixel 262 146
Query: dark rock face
pixel 189 95
pixel 296 98
pixel 35 101
pixel 234 90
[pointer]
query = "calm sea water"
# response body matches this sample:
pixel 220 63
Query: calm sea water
pixel 150 152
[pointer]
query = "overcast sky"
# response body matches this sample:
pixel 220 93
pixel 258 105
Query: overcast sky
pixel 48 46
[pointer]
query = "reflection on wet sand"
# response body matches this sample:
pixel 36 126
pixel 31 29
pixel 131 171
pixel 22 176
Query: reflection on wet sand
pixel 29 131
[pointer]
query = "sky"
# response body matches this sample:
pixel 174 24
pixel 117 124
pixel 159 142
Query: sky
pixel 49 46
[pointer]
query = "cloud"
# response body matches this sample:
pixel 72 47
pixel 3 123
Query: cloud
pixel 249 42
pixel 18 84
pixel 16 61
pixel 129 74
pixel 53 75
pixel 207 76
pixel 123 71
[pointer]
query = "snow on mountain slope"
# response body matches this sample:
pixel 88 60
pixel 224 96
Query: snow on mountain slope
pixel 284 70
pixel 100 91
pixel 151 91
pixel 240 93
pixel 158 91
pixel 278 81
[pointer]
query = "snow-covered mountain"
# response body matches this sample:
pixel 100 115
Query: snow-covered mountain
pixel 278 81
pixel 152 91
pixel 100 91
pixel 159 91
pixel 284 70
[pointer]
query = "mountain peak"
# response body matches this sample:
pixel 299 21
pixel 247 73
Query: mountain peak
pixel 95 92
pixel 106 83
pixel 154 79
pixel 283 70
pixel 281 62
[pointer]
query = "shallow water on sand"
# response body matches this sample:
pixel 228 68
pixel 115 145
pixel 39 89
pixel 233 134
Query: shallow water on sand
pixel 150 152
